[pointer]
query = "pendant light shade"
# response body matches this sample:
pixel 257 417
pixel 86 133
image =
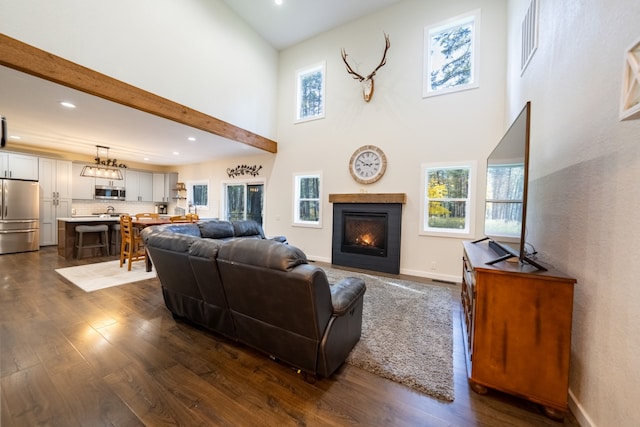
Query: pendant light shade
pixel 99 170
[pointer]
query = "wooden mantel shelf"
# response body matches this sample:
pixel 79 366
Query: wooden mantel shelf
pixel 368 198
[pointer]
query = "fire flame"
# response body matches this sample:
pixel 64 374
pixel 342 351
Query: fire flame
pixel 365 240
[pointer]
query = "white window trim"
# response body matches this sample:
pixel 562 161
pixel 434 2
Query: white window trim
pixel 190 184
pixel 223 192
pixel 471 206
pixel 475 40
pixel 296 201
pixel 322 67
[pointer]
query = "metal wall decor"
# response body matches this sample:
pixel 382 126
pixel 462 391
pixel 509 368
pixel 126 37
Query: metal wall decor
pixel 244 170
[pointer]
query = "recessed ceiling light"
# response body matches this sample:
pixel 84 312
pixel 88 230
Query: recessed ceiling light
pixel 175 153
pixel 191 138
pixel 146 159
pixel 67 104
pixel 279 2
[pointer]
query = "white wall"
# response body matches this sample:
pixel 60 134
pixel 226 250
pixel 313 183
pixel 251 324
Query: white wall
pixel 584 199
pixel 409 129
pixel 196 52
pixel 216 174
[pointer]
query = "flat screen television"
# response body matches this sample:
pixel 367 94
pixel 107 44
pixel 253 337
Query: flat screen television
pixel 506 197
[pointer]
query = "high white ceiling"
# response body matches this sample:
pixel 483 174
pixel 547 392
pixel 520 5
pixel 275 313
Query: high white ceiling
pixel 296 20
pixel 31 105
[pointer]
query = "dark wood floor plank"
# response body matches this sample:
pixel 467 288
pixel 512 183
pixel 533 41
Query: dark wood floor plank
pixel 152 404
pixel 89 398
pixel 5 416
pixel 16 352
pixel 117 357
pixel 34 399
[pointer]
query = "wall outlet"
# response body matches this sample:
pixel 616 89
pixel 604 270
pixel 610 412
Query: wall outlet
pixel 434 266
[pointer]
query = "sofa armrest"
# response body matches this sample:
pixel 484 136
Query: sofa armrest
pixel 281 239
pixel 345 293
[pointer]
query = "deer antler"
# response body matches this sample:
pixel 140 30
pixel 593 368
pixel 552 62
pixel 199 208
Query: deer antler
pixel 367 81
pixel 349 69
pixel 387 43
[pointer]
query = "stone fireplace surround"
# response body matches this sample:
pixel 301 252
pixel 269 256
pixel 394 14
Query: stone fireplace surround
pixel 384 255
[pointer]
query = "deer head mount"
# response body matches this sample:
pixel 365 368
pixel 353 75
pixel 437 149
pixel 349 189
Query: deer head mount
pixel 367 82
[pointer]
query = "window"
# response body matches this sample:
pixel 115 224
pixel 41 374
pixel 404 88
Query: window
pixel 447 196
pixel 307 200
pixel 451 55
pixel 198 195
pixel 310 91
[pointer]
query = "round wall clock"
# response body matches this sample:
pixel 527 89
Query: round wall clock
pixel 367 164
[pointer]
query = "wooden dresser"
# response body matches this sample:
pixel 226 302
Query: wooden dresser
pixel 517 325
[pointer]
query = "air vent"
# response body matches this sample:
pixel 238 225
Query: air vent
pixel 529 35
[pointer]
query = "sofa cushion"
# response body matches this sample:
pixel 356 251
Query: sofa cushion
pixel 216 229
pixel 189 229
pixel 205 248
pixel 247 229
pixel 263 253
pixel 170 240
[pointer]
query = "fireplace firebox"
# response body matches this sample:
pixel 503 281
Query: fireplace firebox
pixel 364 233
pixel 367 236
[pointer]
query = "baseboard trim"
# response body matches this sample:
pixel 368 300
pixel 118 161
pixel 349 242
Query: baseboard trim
pixel 579 412
pixel 446 278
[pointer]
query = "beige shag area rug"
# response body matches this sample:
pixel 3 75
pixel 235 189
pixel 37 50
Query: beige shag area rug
pixel 407 333
pixel 101 275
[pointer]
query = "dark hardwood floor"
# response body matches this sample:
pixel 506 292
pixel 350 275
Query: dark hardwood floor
pixel 117 357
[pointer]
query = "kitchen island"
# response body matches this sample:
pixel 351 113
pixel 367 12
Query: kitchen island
pixel 67 233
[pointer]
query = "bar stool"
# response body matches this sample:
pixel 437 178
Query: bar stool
pixel 115 239
pixel 103 242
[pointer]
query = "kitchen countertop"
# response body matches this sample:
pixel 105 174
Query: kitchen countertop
pixel 89 218
pixel 98 218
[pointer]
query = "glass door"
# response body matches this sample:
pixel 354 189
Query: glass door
pixel 244 201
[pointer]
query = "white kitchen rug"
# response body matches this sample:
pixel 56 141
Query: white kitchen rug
pixel 92 277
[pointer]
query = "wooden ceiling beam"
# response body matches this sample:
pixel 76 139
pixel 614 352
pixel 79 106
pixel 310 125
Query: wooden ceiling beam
pixel 36 62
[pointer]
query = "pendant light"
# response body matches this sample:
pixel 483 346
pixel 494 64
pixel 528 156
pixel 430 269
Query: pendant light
pixel 100 169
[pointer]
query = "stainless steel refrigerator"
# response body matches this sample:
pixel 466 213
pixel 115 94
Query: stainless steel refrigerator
pixel 19 216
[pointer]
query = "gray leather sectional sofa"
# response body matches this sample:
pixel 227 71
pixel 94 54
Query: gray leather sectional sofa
pixel 257 291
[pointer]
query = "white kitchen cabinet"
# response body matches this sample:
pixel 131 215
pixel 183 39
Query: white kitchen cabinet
pixel 82 187
pixel 55 197
pixel 159 193
pixel 18 166
pixel 139 186
pixel 163 184
pixel 109 182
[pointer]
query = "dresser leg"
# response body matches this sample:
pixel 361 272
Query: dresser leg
pixel 480 389
pixel 553 413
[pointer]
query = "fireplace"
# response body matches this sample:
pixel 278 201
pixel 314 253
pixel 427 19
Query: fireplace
pixel 364 233
pixel 367 235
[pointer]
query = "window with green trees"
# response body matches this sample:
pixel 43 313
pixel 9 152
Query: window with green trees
pixel 310 93
pixel 450 59
pixel 307 200
pixel 198 195
pixel 447 195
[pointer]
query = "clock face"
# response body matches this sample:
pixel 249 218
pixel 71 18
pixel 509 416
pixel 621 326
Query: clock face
pixel 367 164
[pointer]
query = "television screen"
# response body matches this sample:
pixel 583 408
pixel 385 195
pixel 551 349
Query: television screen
pixel 506 184
pixel 506 198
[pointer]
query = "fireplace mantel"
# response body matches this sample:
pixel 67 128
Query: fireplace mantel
pixel 368 198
